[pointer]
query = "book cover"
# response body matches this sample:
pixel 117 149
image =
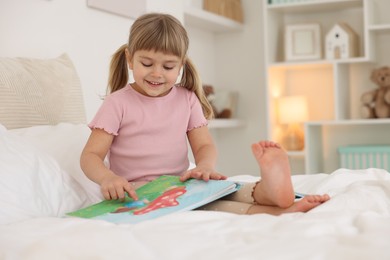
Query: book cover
pixel 165 195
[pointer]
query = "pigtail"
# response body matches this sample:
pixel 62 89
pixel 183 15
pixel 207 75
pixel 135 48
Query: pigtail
pixel 191 81
pixel 118 74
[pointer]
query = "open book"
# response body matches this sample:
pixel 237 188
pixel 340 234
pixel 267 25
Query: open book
pixel 164 195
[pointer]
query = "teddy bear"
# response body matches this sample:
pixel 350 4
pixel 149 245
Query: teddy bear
pixel 210 95
pixel 376 103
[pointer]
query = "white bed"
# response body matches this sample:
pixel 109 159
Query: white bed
pixel 40 180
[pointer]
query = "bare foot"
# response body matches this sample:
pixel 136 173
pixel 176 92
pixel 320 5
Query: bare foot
pixel 304 205
pixel 275 187
pixel 307 203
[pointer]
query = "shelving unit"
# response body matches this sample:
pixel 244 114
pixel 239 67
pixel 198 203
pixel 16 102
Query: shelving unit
pixel 209 21
pixel 332 87
pixel 326 136
pixel 225 123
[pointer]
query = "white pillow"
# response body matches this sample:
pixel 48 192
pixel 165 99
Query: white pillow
pixel 39 92
pixel 33 184
pixel 44 162
pixel 64 142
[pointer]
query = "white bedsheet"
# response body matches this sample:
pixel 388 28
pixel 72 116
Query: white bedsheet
pixel 354 224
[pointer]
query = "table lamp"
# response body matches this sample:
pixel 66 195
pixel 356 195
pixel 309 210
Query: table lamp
pixel 293 111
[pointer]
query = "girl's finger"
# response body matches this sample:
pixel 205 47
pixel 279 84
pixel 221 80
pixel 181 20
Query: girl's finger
pixel 113 193
pixel 185 176
pixel 121 193
pixel 131 192
pixel 206 176
pixel 106 194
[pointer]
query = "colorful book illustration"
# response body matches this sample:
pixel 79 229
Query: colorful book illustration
pixel 165 195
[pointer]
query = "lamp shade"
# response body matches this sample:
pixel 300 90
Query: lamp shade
pixel 292 109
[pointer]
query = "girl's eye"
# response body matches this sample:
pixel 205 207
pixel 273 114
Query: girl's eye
pixel 168 68
pixel 146 65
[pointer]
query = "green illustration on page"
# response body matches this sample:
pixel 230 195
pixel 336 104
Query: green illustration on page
pixel 165 195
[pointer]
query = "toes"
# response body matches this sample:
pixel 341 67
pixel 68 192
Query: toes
pixel 267 143
pixel 257 150
pixel 325 197
pixel 317 198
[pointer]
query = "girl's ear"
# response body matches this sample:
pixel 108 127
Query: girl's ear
pixel 129 59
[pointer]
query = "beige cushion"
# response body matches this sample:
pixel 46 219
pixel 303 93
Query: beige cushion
pixel 39 92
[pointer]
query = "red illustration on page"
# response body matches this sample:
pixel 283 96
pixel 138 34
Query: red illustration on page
pixel 167 199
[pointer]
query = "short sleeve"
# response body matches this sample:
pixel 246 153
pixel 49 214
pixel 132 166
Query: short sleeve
pixel 108 117
pixel 197 118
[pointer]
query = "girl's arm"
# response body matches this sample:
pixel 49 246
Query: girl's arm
pixel 205 154
pixel 92 164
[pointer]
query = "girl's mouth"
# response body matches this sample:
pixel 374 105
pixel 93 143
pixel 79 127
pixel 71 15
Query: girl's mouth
pixel 154 84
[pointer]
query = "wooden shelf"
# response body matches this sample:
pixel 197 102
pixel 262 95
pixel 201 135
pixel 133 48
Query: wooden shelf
pixel 373 121
pixel 297 154
pixel 308 6
pixel 225 123
pixel 312 64
pixel 378 28
pixel 209 21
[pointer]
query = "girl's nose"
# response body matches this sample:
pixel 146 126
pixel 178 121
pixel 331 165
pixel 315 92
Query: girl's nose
pixel 156 71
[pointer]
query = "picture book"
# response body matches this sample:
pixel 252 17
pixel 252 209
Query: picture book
pixel 165 195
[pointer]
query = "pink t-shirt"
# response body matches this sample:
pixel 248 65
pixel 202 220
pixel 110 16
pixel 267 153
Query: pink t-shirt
pixel 150 132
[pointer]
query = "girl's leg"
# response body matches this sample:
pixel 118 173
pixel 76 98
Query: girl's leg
pixel 274 193
pixel 305 204
pixel 238 202
pixel 228 206
pixel 244 194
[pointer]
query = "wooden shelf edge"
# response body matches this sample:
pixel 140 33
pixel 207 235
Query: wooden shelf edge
pixel 209 21
pixel 225 123
pixel 323 5
pixel 373 121
pixel 296 154
pixel 317 63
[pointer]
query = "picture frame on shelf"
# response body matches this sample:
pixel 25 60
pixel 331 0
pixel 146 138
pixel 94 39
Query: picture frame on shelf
pixel 303 42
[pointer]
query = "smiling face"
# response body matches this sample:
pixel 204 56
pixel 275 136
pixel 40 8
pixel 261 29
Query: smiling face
pixel 155 73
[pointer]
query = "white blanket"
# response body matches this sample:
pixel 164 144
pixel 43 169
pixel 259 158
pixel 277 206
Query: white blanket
pixel 354 224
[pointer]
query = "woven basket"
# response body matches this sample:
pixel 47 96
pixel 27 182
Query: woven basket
pixel 231 9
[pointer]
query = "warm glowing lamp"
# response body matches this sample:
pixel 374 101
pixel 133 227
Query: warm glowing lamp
pixel 293 111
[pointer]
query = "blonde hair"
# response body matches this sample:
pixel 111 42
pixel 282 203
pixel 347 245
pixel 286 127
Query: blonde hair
pixel 161 33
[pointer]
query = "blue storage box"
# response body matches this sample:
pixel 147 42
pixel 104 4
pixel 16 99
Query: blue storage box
pixel 365 156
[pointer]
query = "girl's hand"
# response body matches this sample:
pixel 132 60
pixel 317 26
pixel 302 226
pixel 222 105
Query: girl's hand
pixel 114 187
pixel 202 173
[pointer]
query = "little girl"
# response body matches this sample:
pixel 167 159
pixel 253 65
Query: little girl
pixel 144 126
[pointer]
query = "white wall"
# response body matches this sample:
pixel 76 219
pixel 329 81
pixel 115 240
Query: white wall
pixel 240 67
pixel 47 28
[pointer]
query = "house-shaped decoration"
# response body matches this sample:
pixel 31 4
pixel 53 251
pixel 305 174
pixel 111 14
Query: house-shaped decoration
pixel 341 42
